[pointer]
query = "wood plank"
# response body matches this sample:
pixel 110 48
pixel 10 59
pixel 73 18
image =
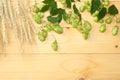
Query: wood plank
pixel 31 65
pixel 70 41
pixel 60 67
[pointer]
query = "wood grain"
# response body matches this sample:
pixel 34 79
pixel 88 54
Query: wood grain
pixel 25 62
pixel 60 67
pixel 70 41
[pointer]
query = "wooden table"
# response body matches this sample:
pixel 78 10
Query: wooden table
pixel 94 59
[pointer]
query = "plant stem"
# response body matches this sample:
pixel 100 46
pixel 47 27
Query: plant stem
pixel 18 16
pixel 30 27
pixel 3 24
pixel 7 15
pixel 12 19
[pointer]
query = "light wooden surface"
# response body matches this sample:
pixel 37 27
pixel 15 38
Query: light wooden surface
pixel 60 67
pixel 70 41
pixel 101 61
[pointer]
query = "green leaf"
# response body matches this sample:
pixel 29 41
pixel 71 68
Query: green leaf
pixel 53 8
pixel 48 1
pixel 68 2
pixel 45 8
pixel 102 13
pixel 76 11
pixel 53 11
pixel 53 4
pixel 61 11
pixel 79 0
pixel 72 1
pixel 65 17
pixel 95 4
pixel 113 10
pixel 54 19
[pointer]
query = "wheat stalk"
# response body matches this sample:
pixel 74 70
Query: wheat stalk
pixel 3 23
pixel 24 25
pixel 24 28
pixel 28 26
pixel 7 16
pixel 26 9
pixel 18 16
pixel 14 23
pixel 12 19
pixel 19 20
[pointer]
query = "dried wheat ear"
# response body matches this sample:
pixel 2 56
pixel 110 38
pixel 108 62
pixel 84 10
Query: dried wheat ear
pixel 17 19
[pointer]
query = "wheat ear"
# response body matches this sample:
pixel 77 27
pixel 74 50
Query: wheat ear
pixel 12 18
pixel 27 23
pixel 18 16
pixel 3 24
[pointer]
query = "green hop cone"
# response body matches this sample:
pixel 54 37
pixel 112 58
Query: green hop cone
pixel 95 19
pixel 37 18
pixel 58 29
pixel 87 26
pixel 86 2
pixel 102 28
pixel 82 8
pixel 41 7
pixel 40 14
pixel 54 45
pixel 85 35
pixel 63 1
pixel 115 30
pixel 80 28
pixel 88 7
pixel 106 3
pixel 48 27
pixel 35 9
pixel 67 17
pixel 74 22
pixel 118 20
pixel 95 13
pixel 101 21
pixel 108 20
pixel 42 35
